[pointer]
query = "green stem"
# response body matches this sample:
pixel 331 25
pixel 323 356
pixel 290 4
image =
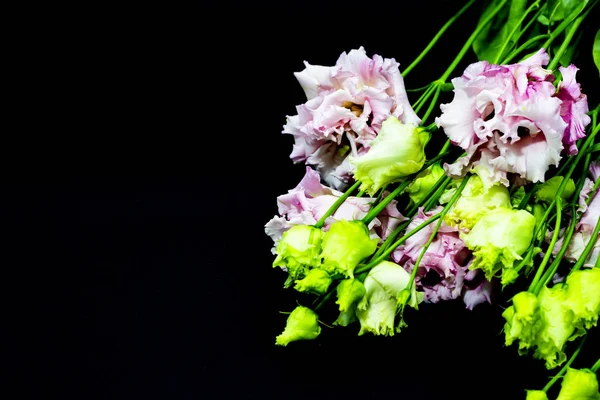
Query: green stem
pixel 432 104
pixel 565 367
pixel 565 44
pixel 526 198
pixel 325 299
pixel 445 147
pixel 335 205
pixel 563 249
pixel 379 207
pixel 526 259
pixel 424 97
pixel 564 25
pixel 515 29
pixel 542 265
pixel 596 366
pixel 471 39
pixel 431 201
pixel 434 160
pixel 390 239
pixel 419 89
pixel 565 166
pixel 437 37
pixel 435 230
pixel 378 199
pixel 431 193
pixel 594 148
pixel 587 250
pixel 558 4
pixel 431 127
pixel 588 141
pixel 397 243
pixel 523 47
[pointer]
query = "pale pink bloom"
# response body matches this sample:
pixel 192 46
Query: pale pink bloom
pixel 443 272
pixel 477 289
pixel 511 119
pixel 595 170
pixel 310 200
pixel 573 109
pixel 347 103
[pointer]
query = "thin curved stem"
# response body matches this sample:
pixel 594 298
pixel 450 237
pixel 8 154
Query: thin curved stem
pixel 514 30
pixel 432 104
pixel 471 39
pixel 336 205
pixel 565 44
pixel 424 97
pixel 596 366
pixel 587 249
pixel 397 243
pixel 522 47
pixel 390 239
pixel 565 24
pixel 563 249
pixel 383 203
pixel 542 265
pixel 437 37
pixel 431 201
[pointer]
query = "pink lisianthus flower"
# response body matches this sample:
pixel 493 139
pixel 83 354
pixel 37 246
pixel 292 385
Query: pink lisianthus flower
pixel 347 104
pixel 573 109
pixel 511 119
pixel 310 200
pixel 443 272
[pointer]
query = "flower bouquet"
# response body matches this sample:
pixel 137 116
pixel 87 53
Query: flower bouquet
pixel 408 199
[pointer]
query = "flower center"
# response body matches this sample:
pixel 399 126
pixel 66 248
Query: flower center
pixel 356 109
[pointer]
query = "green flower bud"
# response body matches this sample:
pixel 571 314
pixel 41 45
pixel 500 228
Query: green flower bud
pixel 536 395
pixel 583 289
pixel 349 292
pixel 346 317
pixel 316 281
pixel 302 324
pixel 547 191
pixel 377 310
pixel 475 201
pixel 396 152
pixel 344 245
pixel 579 385
pixel 558 326
pixel 499 239
pixel 298 250
pixel 523 320
pixel 423 182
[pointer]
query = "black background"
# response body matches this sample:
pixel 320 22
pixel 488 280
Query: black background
pixel 148 159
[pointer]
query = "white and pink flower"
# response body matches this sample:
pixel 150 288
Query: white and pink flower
pixel 443 272
pixel 310 200
pixel 511 119
pixel 347 104
pixel 573 109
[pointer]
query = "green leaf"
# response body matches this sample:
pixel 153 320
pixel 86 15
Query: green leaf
pixel 596 50
pixel 491 41
pixel 558 10
pixel 572 7
pixel 487 33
